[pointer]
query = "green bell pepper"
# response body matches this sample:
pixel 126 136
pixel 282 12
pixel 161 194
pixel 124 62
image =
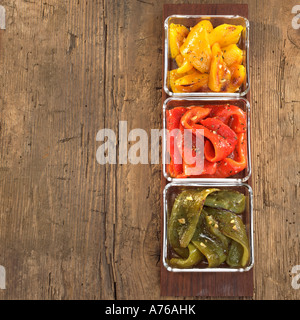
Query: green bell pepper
pixel 208 244
pixel 228 200
pixel 185 216
pixel 195 256
pixel 235 253
pixel 233 227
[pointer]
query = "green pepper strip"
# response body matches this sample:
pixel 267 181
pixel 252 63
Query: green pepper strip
pixel 185 216
pixel 213 228
pixel 195 256
pixel 208 244
pixel 235 252
pixel 233 227
pixel 228 200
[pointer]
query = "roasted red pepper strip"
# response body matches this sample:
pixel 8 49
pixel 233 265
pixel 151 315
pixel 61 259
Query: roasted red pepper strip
pixel 222 140
pixel 173 121
pixel 188 121
pixel 180 146
pixel 194 116
pixel 221 136
pixel 174 116
pixel 230 167
pixel 225 134
pixel 209 167
pixel 233 116
pixel 189 164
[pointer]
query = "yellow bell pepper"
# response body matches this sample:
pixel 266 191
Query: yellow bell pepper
pixel 225 35
pixel 219 73
pixel 192 82
pixel 238 75
pixel 172 77
pixel 177 35
pixel 185 67
pixel 179 60
pixel 206 24
pixel 232 54
pixel 196 48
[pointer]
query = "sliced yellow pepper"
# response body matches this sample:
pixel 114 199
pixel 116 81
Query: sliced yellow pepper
pixel 185 67
pixel 225 35
pixel 196 48
pixel 179 60
pixel 232 54
pixel 237 78
pixel 205 24
pixel 177 35
pixel 219 75
pixel 192 82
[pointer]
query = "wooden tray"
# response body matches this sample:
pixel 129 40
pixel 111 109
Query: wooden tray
pixel 204 284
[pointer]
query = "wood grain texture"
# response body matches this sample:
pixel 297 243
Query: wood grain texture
pixel 72 229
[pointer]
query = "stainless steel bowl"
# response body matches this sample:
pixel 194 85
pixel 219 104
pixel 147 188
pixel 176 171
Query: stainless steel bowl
pixel 186 102
pixel 169 195
pixel 216 20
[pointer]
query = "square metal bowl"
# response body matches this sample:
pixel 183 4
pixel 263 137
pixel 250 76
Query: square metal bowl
pixel 172 190
pixel 187 102
pixel 216 20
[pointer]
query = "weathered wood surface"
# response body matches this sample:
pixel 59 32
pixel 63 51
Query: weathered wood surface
pixel 72 229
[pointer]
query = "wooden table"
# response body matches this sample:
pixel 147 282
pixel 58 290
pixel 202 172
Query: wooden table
pixel 73 229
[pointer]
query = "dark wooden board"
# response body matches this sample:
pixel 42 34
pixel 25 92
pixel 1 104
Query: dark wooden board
pixel 205 284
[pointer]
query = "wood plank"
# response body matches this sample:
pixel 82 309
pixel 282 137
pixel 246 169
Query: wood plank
pixel 275 100
pixel 205 284
pixel 72 229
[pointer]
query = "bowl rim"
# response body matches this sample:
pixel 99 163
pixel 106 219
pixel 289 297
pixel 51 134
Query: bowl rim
pixel 206 94
pixel 207 270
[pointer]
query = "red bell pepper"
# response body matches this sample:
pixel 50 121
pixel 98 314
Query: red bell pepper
pixel 173 121
pixel 229 167
pixel 221 140
pixel 233 116
pixel 224 133
pixel 193 116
